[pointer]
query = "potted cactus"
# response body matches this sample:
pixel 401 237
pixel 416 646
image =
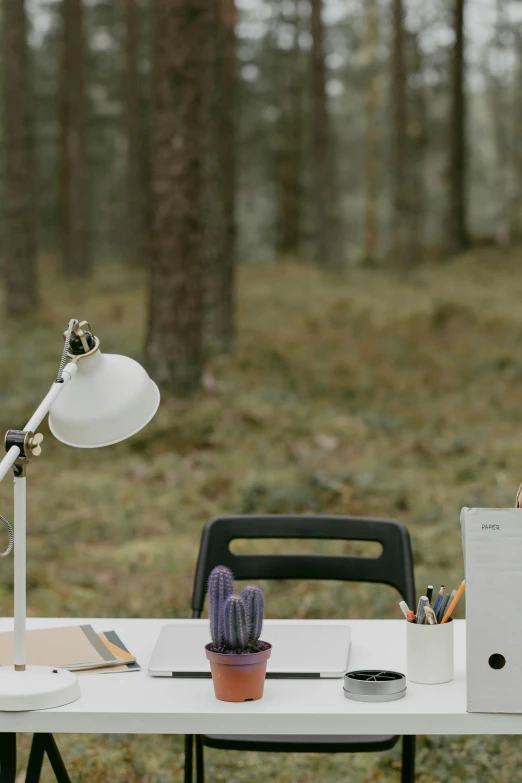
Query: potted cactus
pixel 237 655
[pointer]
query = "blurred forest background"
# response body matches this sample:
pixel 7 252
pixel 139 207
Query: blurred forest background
pixel 304 216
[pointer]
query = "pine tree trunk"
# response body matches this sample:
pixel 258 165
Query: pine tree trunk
pixel 458 231
pixel 516 212
pixel 229 138
pixel 403 216
pixel 502 117
pixel 180 57
pixel 136 215
pixel 371 224
pixel 73 148
pixel 288 143
pixel 503 163
pixel 219 252
pixel 19 262
pixel 418 138
pixel 329 250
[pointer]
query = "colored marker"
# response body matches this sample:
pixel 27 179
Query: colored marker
pixel 405 609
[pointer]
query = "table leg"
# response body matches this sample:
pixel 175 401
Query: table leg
pixel 45 743
pixel 36 757
pixel 8 758
pixel 408 759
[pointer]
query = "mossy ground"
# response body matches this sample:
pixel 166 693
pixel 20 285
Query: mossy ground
pixel 370 393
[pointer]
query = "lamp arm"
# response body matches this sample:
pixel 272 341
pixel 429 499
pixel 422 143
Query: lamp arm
pixel 38 416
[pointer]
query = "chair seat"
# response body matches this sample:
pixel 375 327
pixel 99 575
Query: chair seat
pixel 288 743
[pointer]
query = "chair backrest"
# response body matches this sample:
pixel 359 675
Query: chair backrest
pixel 393 567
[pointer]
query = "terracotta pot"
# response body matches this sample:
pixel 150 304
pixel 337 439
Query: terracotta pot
pixel 238 677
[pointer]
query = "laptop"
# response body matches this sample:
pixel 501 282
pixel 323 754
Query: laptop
pixel 301 649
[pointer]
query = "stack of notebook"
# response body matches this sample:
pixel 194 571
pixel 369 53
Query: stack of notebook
pixel 75 647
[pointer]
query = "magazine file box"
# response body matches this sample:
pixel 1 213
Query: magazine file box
pixel 492 545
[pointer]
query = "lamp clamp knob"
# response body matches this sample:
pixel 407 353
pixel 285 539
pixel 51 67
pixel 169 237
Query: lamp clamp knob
pixel 29 443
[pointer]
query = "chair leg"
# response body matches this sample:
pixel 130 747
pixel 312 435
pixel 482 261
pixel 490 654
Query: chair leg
pixel 408 759
pixel 189 743
pixel 8 758
pixel 200 767
pixel 36 757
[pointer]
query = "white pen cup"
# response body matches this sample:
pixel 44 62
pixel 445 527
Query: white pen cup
pixel 430 653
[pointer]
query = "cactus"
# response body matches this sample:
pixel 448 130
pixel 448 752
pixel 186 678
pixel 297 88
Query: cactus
pixel 220 587
pixel 255 605
pixel 235 621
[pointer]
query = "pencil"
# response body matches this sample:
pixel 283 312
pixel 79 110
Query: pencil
pixel 453 604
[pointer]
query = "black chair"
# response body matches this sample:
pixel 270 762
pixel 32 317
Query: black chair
pixel 393 567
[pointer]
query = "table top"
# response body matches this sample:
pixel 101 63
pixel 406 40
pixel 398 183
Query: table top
pixel 136 703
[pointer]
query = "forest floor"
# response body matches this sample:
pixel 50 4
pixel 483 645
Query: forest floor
pixel 369 393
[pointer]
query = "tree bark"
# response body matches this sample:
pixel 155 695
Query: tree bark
pixel 180 57
pixel 136 233
pixel 73 148
pixel 502 117
pixel 403 213
pixel 288 142
pixel 19 250
pixel 371 223
pixel 418 137
pixel 458 238
pixel 516 212
pixel 229 131
pixel 219 256
pixel 329 250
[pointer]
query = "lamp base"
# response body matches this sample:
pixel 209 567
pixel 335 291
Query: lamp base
pixel 36 688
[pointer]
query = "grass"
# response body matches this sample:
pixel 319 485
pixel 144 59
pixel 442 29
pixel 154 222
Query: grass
pixel 371 393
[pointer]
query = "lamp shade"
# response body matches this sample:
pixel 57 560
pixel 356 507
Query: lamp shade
pixel 110 398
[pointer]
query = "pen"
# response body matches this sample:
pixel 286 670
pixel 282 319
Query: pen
pixel 453 604
pixel 444 605
pixel 430 615
pixel 439 599
pixel 423 602
pixel 429 593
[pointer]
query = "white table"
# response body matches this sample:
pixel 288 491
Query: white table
pixel 138 704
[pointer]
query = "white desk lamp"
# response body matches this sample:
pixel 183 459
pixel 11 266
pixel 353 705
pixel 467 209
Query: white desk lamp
pixel 96 400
